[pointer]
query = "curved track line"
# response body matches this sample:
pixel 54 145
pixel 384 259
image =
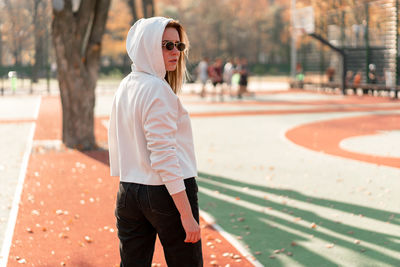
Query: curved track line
pixel 327 135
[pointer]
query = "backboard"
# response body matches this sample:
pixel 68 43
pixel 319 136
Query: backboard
pixel 303 19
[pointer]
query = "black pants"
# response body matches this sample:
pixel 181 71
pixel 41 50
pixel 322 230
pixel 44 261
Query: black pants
pixel 142 212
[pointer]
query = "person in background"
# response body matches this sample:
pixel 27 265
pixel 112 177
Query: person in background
pixel 330 73
pixel 227 76
pixel 357 80
pixel 372 74
pixel 349 78
pixel 243 71
pixel 236 75
pixel 202 74
pixel 215 74
pixel 299 75
pixel 151 150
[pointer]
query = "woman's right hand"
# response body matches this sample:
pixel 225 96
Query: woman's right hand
pixel 190 225
pixel 192 229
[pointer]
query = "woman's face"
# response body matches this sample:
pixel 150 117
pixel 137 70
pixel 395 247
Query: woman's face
pixel 171 57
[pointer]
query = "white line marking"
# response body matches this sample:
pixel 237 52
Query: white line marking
pixel 234 242
pixel 5 250
pixel 38 108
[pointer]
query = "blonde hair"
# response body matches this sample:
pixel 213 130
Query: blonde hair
pixel 176 78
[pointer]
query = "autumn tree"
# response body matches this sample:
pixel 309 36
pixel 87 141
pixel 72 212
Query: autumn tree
pixel 17 31
pixel 236 28
pixel 77 31
pixel 123 14
pixel 118 23
pixel 1 35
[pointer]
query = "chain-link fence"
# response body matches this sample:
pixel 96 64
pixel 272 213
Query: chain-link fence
pixel 367 32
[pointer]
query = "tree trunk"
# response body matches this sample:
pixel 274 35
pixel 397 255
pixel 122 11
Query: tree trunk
pixel 77 42
pixel 40 35
pixel 148 8
pixel 132 7
pixel 1 47
pixel 36 37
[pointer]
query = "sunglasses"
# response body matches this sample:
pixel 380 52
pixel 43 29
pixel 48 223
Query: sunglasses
pixel 170 46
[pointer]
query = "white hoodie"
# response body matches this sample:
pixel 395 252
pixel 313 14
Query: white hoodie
pixel 150 137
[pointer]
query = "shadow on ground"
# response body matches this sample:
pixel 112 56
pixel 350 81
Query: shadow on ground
pixel 268 226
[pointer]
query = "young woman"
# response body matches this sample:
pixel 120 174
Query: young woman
pixel 151 150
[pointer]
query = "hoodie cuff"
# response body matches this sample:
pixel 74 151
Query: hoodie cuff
pixel 175 186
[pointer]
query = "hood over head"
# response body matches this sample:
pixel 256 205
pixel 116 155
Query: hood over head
pixel 143 45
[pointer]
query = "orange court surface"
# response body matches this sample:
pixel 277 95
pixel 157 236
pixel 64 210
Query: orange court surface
pixel 288 178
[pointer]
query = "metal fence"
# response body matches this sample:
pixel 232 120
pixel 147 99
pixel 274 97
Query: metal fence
pixel 367 32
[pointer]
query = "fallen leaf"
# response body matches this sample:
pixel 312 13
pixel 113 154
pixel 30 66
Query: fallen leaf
pixel 331 245
pixel 59 212
pixel 35 212
pixel 62 235
pixel 22 261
